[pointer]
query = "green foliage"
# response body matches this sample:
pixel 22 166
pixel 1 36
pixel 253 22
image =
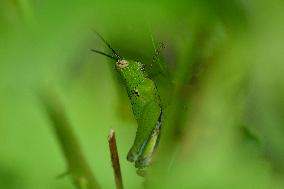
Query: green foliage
pixel 222 95
pixel 77 167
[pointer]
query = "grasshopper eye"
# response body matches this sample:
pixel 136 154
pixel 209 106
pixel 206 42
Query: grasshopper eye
pixel 122 64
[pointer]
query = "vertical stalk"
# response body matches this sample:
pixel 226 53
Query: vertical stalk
pixel 115 159
pixel 78 168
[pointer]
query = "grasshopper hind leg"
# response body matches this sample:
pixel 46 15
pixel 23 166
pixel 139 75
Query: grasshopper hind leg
pixel 150 145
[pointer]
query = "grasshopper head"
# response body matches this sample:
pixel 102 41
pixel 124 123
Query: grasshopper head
pixel 122 64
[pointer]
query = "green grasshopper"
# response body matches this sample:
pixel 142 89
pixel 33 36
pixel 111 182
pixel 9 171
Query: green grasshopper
pixel 146 107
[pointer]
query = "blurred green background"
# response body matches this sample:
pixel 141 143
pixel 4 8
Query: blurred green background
pixel 220 81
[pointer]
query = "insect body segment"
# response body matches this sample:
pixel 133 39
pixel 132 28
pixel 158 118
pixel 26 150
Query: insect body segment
pixel 146 108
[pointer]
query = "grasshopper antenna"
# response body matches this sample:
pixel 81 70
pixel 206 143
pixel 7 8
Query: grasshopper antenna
pixel 113 51
pixel 107 55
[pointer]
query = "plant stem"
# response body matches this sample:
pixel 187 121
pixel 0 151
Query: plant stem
pixel 77 166
pixel 115 159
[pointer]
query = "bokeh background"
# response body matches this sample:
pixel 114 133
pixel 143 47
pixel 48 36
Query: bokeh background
pixel 220 77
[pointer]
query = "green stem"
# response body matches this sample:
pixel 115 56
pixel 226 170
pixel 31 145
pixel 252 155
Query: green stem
pixel 77 166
